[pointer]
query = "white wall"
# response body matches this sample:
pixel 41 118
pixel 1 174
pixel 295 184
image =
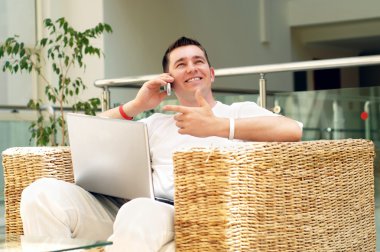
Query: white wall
pixel 307 12
pixel 16 18
pixel 333 29
pixel 229 30
pixel 327 29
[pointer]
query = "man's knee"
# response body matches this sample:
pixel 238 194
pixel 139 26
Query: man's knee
pixel 36 189
pixel 144 221
pixel 144 210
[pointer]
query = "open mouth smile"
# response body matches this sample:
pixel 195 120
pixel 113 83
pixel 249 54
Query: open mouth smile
pixel 193 79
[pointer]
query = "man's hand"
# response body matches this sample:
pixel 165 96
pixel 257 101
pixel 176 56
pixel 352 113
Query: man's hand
pixel 149 95
pixel 197 121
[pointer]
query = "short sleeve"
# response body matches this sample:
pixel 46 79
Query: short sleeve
pixel 250 109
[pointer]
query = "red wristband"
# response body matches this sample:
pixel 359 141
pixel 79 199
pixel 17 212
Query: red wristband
pixel 123 114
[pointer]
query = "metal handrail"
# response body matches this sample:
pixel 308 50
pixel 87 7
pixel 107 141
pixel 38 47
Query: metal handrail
pixel 17 108
pixel 262 70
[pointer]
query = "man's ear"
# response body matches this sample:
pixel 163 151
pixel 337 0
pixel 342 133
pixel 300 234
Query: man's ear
pixel 212 73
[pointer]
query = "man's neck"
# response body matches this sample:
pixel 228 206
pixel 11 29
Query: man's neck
pixel 210 100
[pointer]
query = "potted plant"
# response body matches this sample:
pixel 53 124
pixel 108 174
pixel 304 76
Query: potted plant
pixel 62 50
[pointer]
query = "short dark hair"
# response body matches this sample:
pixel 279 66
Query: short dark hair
pixel 182 41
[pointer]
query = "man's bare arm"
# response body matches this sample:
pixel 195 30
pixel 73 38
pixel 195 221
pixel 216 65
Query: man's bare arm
pixel 148 97
pixel 201 122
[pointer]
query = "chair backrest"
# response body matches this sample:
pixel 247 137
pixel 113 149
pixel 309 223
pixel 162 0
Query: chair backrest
pixel 301 196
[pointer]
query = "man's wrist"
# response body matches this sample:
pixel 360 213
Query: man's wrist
pixel 222 127
pixel 123 114
pixel 231 134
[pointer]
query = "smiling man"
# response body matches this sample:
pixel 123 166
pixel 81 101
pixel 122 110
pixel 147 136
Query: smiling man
pixel 198 120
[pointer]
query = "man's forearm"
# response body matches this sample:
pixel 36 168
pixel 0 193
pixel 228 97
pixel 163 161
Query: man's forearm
pixel 130 109
pixel 267 128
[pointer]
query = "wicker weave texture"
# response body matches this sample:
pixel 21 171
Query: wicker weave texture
pixel 303 196
pixel 22 166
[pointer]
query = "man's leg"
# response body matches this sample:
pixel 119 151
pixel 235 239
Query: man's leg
pixel 54 208
pixel 143 225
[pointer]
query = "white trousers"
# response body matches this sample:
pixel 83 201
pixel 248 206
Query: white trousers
pixel 55 208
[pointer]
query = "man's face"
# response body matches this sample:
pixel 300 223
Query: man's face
pixel 191 71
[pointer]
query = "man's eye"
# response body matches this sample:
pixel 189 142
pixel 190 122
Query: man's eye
pixel 180 65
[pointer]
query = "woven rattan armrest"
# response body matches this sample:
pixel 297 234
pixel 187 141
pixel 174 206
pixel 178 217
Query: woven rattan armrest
pixel 22 166
pixel 302 196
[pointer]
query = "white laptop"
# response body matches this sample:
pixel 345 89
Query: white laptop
pixel 110 156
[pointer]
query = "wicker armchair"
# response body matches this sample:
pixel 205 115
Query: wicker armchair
pixel 304 196
pixel 22 166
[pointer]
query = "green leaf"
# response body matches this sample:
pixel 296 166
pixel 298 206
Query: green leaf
pixel 49 52
pixel 108 28
pixel 22 52
pixel 58 38
pixel 65 26
pixel 47 22
pixel 9 41
pixel 15 48
pixel 61 21
pixel 67 60
pixel 9 50
pixel 43 42
pixel 65 41
pixel 30 104
pixel 56 69
pixel 6 65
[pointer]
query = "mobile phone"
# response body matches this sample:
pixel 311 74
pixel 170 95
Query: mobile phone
pixel 168 89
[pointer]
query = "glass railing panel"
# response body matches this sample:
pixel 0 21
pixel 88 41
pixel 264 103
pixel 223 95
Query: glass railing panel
pixel 338 114
pixel 12 134
pixel 334 114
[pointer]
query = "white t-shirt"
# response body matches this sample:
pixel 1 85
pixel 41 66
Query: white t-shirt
pixel 164 140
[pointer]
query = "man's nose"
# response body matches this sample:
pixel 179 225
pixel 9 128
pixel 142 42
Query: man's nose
pixel 191 67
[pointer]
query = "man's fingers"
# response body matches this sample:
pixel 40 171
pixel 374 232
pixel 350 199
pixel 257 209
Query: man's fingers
pixel 166 78
pixel 175 108
pixel 163 95
pixel 178 117
pixel 156 84
pixel 159 81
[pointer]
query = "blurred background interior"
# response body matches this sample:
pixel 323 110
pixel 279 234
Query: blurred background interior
pixel 333 103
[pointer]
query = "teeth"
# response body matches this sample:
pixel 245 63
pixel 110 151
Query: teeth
pixel 193 79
